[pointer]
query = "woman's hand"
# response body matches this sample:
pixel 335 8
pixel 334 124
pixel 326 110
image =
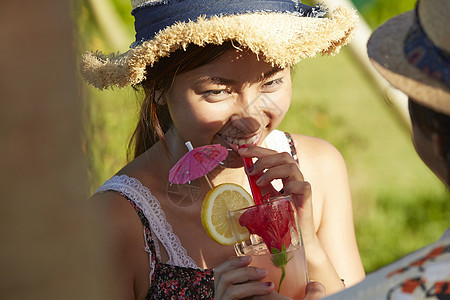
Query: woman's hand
pixel 314 291
pixel 272 165
pixel 233 279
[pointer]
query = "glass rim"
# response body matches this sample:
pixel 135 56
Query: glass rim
pixel 267 202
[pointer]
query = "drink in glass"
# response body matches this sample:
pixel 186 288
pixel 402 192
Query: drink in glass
pixel 270 234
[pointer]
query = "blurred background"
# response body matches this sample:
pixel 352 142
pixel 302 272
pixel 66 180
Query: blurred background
pixel 399 205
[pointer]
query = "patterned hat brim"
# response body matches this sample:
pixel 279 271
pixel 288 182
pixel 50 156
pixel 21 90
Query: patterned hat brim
pixel 386 52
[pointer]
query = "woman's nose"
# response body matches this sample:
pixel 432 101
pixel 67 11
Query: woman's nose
pixel 250 115
pixel 245 124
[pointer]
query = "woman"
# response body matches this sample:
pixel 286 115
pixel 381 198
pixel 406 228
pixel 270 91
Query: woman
pixel 223 78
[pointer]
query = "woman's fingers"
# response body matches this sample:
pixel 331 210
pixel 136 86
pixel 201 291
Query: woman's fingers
pixel 233 279
pixel 232 263
pixel 272 165
pixel 249 289
pixel 301 191
pixel 314 290
pixel 266 158
pixel 286 172
pixel 269 159
pixel 255 151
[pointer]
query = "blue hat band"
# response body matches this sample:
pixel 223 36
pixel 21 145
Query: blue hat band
pixel 152 17
pixel 420 51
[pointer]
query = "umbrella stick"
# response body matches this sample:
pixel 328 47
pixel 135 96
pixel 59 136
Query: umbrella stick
pixel 209 182
pixel 189 145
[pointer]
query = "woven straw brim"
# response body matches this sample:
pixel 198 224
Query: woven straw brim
pixel 279 39
pixel 385 49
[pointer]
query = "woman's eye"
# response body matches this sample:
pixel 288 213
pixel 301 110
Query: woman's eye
pixel 216 95
pixel 272 85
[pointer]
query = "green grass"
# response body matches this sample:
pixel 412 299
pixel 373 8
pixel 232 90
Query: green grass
pixel 110 119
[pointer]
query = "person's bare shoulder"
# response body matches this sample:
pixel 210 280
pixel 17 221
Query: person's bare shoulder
pixel 323 166
pixel 118 215
pixel 123 231
pixel 318 153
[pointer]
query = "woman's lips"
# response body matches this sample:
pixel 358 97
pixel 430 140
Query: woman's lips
pixel 235 142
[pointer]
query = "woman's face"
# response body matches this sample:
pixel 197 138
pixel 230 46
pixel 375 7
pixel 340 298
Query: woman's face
pixel 234 100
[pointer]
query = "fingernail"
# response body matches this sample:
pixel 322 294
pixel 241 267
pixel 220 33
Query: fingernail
pixel 267 284
pixel 244 258
pixel 259 180
pixel 250 169
pixel 242 150
pixel 261 271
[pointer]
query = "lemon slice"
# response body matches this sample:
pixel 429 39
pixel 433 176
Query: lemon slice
pixel 217 203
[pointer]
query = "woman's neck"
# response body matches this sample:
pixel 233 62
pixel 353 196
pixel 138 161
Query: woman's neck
pixel 228 175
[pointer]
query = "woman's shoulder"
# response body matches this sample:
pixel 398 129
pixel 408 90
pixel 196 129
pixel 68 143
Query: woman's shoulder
pixel 119 221
pixel 116 212
pixel 117 201
pixel 317 149
pixel 321 163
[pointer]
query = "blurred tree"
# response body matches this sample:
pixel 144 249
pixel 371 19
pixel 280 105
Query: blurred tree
pixel 111 18
pixel 376 12
pixel 51 246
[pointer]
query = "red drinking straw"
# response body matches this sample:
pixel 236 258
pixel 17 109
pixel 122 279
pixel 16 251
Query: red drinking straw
pixel 256 191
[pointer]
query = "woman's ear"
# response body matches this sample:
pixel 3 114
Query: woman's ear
pixel 160 98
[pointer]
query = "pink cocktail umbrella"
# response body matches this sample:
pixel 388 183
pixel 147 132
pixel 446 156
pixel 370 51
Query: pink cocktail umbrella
pixel 197 162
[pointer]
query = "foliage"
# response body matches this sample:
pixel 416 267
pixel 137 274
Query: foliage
pixel 399 205
pixel 376 12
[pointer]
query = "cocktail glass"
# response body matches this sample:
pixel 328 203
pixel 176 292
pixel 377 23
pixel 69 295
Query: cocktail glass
pixel 270 234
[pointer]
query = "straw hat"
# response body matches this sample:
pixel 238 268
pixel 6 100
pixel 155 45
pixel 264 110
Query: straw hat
pixel 412 51
pixel 281 32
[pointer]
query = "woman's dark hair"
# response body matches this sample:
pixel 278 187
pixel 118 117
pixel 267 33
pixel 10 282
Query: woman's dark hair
pixel 431 122
pixel 154 119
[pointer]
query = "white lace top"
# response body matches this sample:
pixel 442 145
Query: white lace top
pixel 161 229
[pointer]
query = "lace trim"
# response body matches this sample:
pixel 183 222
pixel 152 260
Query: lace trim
pixel 143 198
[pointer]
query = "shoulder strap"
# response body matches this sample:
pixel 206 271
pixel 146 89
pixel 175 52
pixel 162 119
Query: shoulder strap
pixel 151 209
pixel 292 146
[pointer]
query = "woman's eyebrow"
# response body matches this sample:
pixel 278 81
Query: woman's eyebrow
pixel 270 74
pixel 216 80
pixel 228 81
